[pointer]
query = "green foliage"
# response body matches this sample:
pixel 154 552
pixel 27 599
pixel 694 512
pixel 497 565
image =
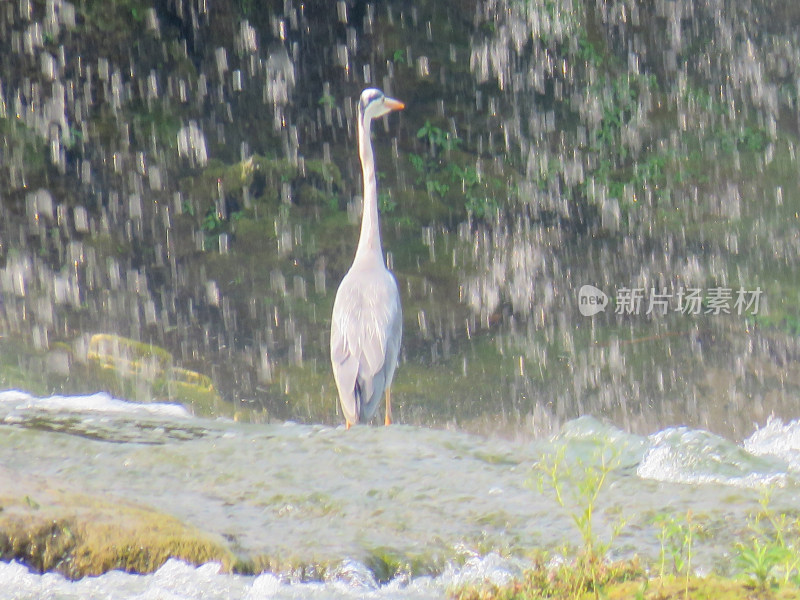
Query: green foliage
pixel 333 202
pixel 437 138
pixel 434 186
pixel 385 203
pixel 212 221
pixel 327 100
pixel 753 140
pixel 787 323
pixel 759 560
pixel 587 51
pixel 429 173
pixel 18 135
pixel 480 194
pixel 620 102
pixel 419 163
pixel 615 170
pixel 650 170
pixel 576 486
pixel 74 138
pixel 770 552
pixel 480 200
pixel 676 536
pixel 246 7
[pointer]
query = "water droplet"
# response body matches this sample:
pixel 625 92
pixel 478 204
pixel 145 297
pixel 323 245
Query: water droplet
pixel 423 66
pixel 212 293
pixel 221 58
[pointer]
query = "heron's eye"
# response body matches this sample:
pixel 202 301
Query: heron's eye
pixel 371 98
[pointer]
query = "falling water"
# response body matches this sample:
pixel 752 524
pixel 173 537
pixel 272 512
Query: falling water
pixel 180 192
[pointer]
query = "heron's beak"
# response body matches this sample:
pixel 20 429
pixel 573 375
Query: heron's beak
pixel 393 104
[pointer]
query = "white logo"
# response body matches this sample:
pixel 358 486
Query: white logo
pixel 591 300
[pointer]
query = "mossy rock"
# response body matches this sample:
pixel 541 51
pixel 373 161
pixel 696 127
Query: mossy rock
pixel 126 355
pixel 134 369
pixel 50 528
pixel 327 173
pixel 192 389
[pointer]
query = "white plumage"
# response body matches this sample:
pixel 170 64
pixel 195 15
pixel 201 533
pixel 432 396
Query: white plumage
pixel 367 322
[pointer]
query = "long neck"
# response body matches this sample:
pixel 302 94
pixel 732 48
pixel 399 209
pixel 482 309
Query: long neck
pixel 369 242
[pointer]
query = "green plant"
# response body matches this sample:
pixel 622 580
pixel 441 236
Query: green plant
pixel 212 221
pixel 435 186
pixel 385 202
pixel 437 138
pixel 770 550
pixel 759 560
pixel 333 202
pixel 753 140
pixel 467 175
pixel 439 178
pixel 480 206
pixel 246 7
pixel 419 164
pixel 676 536
pixel 577 485
pixel 480 200
pixel 327 100
pixel 587 51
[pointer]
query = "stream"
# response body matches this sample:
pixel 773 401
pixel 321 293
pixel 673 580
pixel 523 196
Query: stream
pixel 318 495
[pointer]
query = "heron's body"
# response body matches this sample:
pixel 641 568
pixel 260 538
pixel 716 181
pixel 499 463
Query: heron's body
pixel 366 326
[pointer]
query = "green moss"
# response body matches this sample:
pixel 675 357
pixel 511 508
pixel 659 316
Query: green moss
pixel 78 535
pixel 113 16
pixel 386 563
pixel 32 147
pixel 327 172
pixel 193 390
pixel 121 366
pixel 127 355
pixel 624 581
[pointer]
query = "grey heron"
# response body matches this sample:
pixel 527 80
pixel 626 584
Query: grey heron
pixel 367 323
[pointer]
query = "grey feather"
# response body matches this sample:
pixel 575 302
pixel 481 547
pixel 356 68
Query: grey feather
pixel 367 323
pixel 365 339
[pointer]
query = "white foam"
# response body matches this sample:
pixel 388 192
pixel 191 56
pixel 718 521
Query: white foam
pixel 265 585
pixel 176 580
pixel 693 456
pixel 94 403
pixel 778 439
pixel 491 569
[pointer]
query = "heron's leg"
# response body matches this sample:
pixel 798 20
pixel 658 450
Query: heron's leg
pixel 346 424
pixel 388 420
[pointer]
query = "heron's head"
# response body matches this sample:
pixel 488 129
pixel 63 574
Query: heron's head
pixel 374 104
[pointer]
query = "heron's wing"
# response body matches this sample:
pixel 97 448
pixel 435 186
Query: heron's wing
pixel 365 331
pixel 343 361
